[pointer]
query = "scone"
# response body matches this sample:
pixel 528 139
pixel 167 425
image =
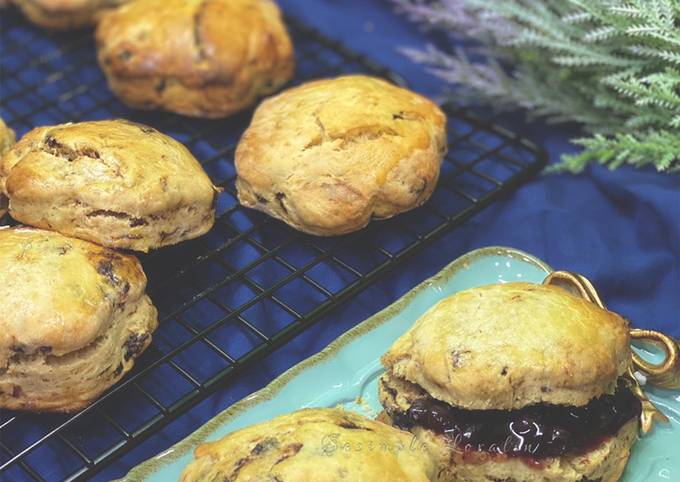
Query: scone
pixel 74 317
pixel 6 141
pixel 516 382
pixel 313 445
pixel 329 155
pixel 65 14
pixel 195 57
pixel 117 183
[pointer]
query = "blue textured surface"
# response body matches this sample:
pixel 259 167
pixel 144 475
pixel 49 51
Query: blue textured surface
pixel 621 229
pixel 350 367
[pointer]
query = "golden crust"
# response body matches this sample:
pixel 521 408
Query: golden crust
pixel 74 286
pixel 6 141
pixel 512 345
pixel 116 183
pixel 87 315
pixel 327 156
pixel 205 58
pixel 65 14
pixel 313 445
pixel 7 137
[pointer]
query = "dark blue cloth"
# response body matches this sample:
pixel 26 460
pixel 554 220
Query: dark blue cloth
pixel 621 229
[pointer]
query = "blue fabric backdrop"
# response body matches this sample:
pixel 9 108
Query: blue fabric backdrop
pixel 621 229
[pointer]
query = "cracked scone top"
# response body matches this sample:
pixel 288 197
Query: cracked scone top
pixel 65 14
pixel 74 317
pixel 205 58
pixel 116 183
pixel 313 445
pixel 329 155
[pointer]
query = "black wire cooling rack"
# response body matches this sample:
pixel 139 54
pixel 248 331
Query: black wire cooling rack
pixel 249 286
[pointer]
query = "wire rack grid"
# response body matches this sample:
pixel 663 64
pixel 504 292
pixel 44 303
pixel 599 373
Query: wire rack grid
pixel 248 287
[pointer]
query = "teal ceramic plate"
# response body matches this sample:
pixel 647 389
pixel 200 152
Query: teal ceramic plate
pixel 346 373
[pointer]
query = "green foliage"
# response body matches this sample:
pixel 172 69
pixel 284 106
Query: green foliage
pixel 658 147
pixel 612 65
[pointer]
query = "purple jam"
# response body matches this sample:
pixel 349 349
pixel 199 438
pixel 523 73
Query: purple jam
pixel 535 432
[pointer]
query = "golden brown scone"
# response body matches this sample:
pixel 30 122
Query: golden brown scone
pixel 117 183
pixel 511 345
pixel 204 58
pixel 66 14
pixel 313 445
pixel 327 156
pixel 74 317
pixel 6 141
pixel 516 382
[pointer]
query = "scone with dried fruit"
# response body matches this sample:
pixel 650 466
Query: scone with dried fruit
pixel 328 156
pixel 195 57
pixel 313 445
pixel 116 183
pixel 74 317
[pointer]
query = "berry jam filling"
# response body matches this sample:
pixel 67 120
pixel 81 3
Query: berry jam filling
pixel 536 431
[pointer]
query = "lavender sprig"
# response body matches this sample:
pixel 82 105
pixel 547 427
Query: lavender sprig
pixel 613 65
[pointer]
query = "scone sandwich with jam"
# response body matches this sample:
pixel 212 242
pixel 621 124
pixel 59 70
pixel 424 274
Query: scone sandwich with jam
pixel 516 382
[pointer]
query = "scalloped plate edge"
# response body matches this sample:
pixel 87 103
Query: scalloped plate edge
pixel 147 468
